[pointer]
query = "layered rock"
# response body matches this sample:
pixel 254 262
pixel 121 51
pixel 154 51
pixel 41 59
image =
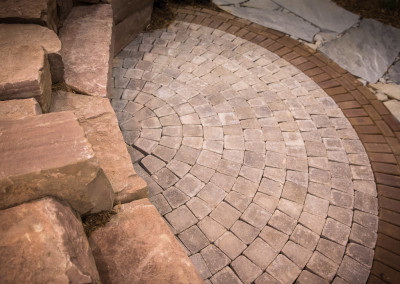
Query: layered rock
pixel 14 109
pixel 136 246
pixel 42 12
pixel 25 73
pixel 44 242
pixel 130 17
pixel 49 155
pixel 98 119
pixel 18 34
pixel 87 49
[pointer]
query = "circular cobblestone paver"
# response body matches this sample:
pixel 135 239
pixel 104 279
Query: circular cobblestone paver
pixel 256 169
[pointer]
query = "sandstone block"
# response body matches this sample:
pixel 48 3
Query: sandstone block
pixel 87 54
pixel 130 18
pixel 44 242
pixel 41 12
pixel 136 246
pixel 25 73
pixel 17 34
pixel 15 109
pixel 49 155
pixel 100 124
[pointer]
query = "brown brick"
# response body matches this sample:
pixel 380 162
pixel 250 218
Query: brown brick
pixel 314 71
pixel 321 78
pixel 366 92
pixel 317 61
pixel 250 36
pixel 298 61
pixel 337 68
pixel 380 107
pixel 384 128
pixel 348 85
pixel 388 203
pixel 367 129
pixel 384 272
pixel 215 24
pixel 189 18
pixel 379 157
pixel 198 20
pixel 388 243
pixel 275 46
pixel 266 43
pixel 361 121
pixel 372 138
pixel 388 229
pixel 306 66
pixel 390 216
pixel 392 121
pixel 224 26
pixel 349 104
pixel 377 147
pixel 342 98
pixel 290 56
pixel 354 112
pixel 372 112
pixel 388 191
pixel 328 69
pixel 375 280
pixel 283 51
pixel 302 51
pixel 336 90
pixel 241 33
pixel 329 84
pixel 386 168
pixel 257 39
pixel 359 97
pixel 288 41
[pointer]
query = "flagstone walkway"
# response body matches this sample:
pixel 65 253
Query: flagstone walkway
pixel 250 144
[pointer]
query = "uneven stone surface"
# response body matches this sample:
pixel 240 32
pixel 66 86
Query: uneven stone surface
pixel 44 235
pixel 14 109
pixel 325 17
pixel 87 55
pixel 394 72
pixel 277 20
pixel 64 7
pixel 366 51
pixel 42 12
pixel 136 246
pixel 38 159
pixel 100 124
pixel 394 108
pixel 25 73
pixel 17 34
pixel 281 155
pixel 391 90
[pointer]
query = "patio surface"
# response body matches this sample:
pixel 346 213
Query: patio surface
pixel 266 158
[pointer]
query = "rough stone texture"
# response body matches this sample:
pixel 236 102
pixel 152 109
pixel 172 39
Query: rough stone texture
pixel 277 20
pixel 15 109
pixel 130 18
pixel 17 34
pixel 38 159
pixel 394 72
pixel 353 50
pixel 325 17
pixel 25 73
pixel 42 12
pixel 87 54
pixel 391 90
pixel 100 124
pixel 136 246
pixel 394 108
pixel 44 235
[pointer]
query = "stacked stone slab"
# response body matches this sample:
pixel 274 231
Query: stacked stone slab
pixel 42 12
pixel 43 242
pixel 15 109
pixel 49 155
pixel 87 49
pixel 136 246
pixel 29 34
pixel 98 119
pixel 25 73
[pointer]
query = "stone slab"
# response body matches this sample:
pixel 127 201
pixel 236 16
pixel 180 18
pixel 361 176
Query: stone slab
pixel 88 54
pixel 44 236
pixel 100 124
pixel 325 14
pixel 394 72
pixel 131 18
pixel 137 246
pixel 366 51
pixel 14 109
pixel 394 108
pixel 277 20
pixel 25 73
pixel 261 4
pixel 49 155
pixel 42 12
pixel 391 90
pixel 17 34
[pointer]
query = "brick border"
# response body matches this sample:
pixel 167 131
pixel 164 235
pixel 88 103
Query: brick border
pixel 378 130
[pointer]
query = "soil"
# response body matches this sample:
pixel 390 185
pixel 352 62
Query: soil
pixel 385 11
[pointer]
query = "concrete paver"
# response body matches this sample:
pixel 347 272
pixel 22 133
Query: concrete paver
pixel 244 213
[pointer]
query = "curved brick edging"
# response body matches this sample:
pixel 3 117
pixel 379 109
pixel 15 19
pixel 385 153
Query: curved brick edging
pixel 377 128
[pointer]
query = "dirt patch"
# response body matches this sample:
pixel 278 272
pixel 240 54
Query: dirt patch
pixel 93 221
pixel 385 11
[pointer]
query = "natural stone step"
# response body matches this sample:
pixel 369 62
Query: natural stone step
pixel 25 73
pixel 136 246
pixel 49 155
pixel 87 54
pixel 42 12
pixel 98 119
pixel 44 242
pixel 130 17
pixel 18 34
pixel 14 109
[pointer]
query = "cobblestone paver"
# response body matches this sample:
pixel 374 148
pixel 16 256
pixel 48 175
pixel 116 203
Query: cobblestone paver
pixel 256 169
